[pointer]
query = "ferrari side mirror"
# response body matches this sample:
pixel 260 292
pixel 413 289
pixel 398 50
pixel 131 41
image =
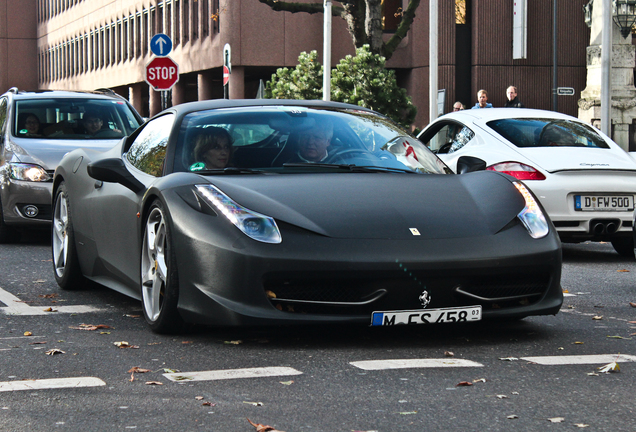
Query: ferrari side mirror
pixel 466 164
pixel 114 171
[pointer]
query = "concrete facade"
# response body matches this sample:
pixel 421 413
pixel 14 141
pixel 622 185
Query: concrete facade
pixel 89 44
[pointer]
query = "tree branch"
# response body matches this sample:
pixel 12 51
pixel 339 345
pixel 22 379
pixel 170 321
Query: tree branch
pixel 294 7
pixel 405 24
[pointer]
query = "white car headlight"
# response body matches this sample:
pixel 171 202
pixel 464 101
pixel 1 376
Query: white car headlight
pixel 28 172
pixel 254 225
pixel 531 216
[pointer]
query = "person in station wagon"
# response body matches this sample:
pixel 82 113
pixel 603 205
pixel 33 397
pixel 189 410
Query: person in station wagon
pixel 213 147
pixel 32 126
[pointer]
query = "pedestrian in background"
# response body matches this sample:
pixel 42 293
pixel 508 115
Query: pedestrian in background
pixel 513 99
pixel 482 97
pixel 458 106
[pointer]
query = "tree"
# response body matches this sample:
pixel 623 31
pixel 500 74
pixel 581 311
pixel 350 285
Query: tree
pixel 363 18
pixel 359 80
pixel 302 82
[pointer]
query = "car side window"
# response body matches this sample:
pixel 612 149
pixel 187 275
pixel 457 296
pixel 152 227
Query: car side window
pixel 449 138
pixel 148 152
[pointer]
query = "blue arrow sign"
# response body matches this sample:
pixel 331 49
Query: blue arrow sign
pixel 161 45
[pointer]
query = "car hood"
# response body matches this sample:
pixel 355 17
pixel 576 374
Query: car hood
pixel 553 159
pixel 386 206
pixel 48 152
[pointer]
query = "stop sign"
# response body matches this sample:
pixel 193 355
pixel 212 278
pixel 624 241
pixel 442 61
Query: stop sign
pixel 162 73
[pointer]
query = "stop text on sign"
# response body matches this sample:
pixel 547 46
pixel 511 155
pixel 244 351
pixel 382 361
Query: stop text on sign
pixel 162 73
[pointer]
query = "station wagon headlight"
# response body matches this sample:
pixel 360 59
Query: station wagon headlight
pixel 255 225
pixel 28 172
pixel 531 216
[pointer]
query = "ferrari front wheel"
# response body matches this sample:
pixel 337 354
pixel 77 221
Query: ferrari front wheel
pixel 65 262
pixel 159 279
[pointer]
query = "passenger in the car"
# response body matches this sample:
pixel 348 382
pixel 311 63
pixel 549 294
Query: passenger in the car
pixel 32 126
pixel 213 147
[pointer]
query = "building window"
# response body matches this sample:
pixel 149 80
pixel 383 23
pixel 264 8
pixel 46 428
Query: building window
pixel 196 12
pixel 460 12
pixel 185 33
pixel 205 18
pixel 176 22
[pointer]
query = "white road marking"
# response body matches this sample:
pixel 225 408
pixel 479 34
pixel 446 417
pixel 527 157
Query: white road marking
pixel 15 306
pixel 581 359
pixel 232 374
pixel 414 363
pixel 53 383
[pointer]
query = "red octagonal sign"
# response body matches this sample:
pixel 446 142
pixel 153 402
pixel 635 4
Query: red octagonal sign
pixel 162 73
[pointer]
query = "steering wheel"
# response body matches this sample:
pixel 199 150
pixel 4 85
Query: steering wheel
pixel 445 148
pixel 337 155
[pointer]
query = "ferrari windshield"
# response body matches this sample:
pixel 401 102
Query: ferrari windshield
pixel 292 139
pixel 544 132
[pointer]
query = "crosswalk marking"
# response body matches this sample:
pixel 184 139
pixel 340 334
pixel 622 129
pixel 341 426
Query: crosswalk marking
pixel 414 363
pixel 581 359
pixel 15 306
pixel 53 383
pixel 232 374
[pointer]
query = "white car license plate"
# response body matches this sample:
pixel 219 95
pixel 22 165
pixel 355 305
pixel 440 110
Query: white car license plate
pixel 604 202
pixel 427 316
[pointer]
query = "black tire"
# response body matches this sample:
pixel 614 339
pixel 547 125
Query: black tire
pixel 7 234
pixel 159 277
pixel 624 246
pixel 66 268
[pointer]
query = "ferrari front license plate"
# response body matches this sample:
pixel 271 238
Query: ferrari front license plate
pixel 604 202
pixel 426 316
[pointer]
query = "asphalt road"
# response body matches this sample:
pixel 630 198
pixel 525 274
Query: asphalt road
pixel 314 379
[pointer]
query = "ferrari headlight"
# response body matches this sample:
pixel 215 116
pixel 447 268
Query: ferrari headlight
pixel 254 225
pixel 28 172
pixel 531 216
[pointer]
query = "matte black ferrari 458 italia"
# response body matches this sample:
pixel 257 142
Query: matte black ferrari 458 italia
pixel 269 212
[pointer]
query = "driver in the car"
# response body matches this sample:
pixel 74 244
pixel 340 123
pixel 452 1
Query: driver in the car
pixel 314 143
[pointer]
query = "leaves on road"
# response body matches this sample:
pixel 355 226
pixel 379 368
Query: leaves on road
pixel 618 337
pixel 556 419
pixel 49 310
pixel 597 317
pixel 632 304
pixel 124 344
pixel 153 383
pixel 464 384
pixel 234 342
pixel 54 351
pixel 28 333
pixel 512 417
pixel 286 382
pixel 258 404
pixel 90 327
pixel 508 358
pixel 581 425
pixel 479 380
pixel 263 428
pixel 610 367
pixel 449 354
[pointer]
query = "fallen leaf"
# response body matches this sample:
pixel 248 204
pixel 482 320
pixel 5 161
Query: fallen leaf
pixel 39 281
pixel 28 333
pixel 592 374
pixel 137 369
pixel 556 420
pixel 47 295
pixel 479 380
pixel 619 337
pixel 515 393
pixel 286 382
pixel 234 342
pixel 632 304
pixel 407 412
pixel 502 397
pixel 49 310
pixel 132 316
pixel 565 291
pixel 254 403
pixel 263 428
pixel 579 343
pixel 186 342
pixel 581 425
pixel 182 378
pixel 208 404
pixel 464 384
pixel 199 397
pixel 91 327
pixel 124 344
pixel 153 383
pixel 449 354
pixel 571 307
pixel 508 358
pixel 37 343
pixel 623 271
pixel 54 351
pixel 170 370
pixel 513 416
pixel 597 317
pixel 610 367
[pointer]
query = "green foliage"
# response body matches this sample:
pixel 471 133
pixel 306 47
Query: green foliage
pixel 302 82
pixel 359 80
pixel 363 80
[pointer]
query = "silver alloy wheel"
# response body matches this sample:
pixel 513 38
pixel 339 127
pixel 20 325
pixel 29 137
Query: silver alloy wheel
pixel 154 268
pixel 60 234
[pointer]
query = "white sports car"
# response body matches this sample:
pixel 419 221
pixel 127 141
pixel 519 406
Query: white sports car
pixel 584 180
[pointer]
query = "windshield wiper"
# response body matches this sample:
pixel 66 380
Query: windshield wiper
pixel 352 167
pixel 230 170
